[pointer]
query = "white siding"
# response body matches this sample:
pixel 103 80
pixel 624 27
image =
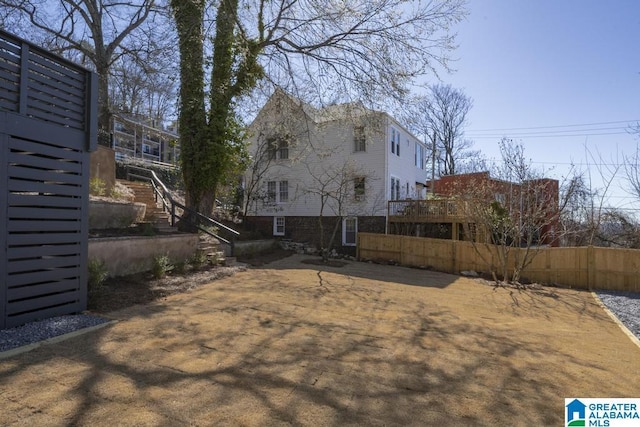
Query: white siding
pixel 403 167
pixel 321 148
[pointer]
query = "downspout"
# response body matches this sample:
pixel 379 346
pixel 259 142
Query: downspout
pixel 386 175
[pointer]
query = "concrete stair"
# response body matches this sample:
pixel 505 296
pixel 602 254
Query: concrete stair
pixel 155 215
pixel 214 251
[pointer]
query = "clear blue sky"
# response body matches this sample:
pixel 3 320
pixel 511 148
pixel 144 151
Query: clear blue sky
pixel 550 63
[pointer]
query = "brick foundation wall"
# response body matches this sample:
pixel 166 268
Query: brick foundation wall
pixel 306 229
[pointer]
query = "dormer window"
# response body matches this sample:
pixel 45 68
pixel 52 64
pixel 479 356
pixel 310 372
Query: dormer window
pixel 278 148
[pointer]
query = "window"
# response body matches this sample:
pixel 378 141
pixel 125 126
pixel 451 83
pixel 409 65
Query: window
pixel 349 231
pixel 277 192
pixel 395 141
pixel 284 191
pixel 358 188
pixel 278 148
pixel 271 192
pixel 395 189
pixel 278 226
pixel 359 139
pixel 283 150
pixel 500 198
pixel 419 156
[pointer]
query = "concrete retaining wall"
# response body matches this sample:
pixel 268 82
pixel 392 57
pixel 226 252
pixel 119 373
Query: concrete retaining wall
pixel 129 255
pixel 103 166
pixel 105 214
pixel 253 247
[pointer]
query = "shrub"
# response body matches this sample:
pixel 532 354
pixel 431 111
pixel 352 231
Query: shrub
pixel 97 187
pixel 98 274
pixel 161 266
pixel 199 259
pixel 180 267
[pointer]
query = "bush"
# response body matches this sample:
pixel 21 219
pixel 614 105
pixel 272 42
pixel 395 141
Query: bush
pixel 161 266
pixel 180 267
pixel 98 274
pixel 199 259
pixel 97 187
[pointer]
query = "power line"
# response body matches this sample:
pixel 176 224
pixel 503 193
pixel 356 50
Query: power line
pixel 529 135
pixel 556 127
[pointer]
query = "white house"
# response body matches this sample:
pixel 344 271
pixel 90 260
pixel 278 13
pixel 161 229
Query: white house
pixel 342 163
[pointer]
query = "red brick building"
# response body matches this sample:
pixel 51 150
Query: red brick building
pixel 531 204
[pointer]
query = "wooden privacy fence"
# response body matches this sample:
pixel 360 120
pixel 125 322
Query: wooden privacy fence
pixel 586 267
pixel 47 128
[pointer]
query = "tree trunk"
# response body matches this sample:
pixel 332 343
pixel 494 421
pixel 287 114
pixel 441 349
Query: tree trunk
pixel 189 15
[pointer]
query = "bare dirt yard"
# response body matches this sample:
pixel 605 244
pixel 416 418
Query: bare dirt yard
pixel 293 343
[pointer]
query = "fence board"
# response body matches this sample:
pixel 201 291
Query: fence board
pixel 23 279
pixel 42 213
pixel 40 289
pixel 57 102
pixel 34 226
pixel 22 318
pixel 44 175
pixel 34 304
pixel 42 238
pixel 38 187
pixel 577 267
pixel 19 145
pixel 58 165
pixel 43 263
pixel 42 251
pixel 38 200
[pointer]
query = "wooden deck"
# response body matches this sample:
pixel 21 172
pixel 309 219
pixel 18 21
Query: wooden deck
pixel 417 211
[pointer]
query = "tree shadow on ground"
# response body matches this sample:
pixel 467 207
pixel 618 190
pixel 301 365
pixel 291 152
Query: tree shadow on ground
pixel 271 347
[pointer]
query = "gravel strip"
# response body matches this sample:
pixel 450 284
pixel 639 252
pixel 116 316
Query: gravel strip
pixel 625 306
pixel 45 329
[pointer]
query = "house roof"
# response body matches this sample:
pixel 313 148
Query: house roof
pixel 335 111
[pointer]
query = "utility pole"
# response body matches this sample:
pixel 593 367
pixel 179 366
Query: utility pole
pixel 433 164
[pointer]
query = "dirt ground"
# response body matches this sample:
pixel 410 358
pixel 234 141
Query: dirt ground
pixel 292 343
pixel 125 291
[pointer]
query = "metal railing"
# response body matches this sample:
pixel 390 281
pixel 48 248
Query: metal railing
pixel 169 204
pixel 427 210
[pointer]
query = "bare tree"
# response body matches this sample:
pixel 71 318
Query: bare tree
pixel 514 215
pixel 96 30
pixel 618 229
pixel 342 191
pixel 632 170
pixel 441 116
pixel 144 87
pixel 577 220
pixel 321 50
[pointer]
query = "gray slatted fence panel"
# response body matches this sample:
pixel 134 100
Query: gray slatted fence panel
pixel 47 126
pixel 44 264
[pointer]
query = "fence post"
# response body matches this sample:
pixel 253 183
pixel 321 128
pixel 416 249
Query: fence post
pixel 591 267
pixel 454 257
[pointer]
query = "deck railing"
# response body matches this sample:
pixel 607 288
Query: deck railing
pixel 426 210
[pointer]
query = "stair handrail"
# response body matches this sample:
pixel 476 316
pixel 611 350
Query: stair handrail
pixel 160 190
